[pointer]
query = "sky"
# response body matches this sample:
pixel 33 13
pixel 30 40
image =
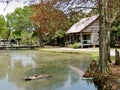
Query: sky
pixel 11 7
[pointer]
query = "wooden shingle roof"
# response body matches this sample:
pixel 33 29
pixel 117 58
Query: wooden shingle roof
pixel 82 24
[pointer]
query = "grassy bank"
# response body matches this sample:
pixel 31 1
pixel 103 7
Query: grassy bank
pixel 69 50
pixel 93 52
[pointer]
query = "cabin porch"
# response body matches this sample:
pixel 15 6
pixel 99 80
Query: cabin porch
pixel 85 39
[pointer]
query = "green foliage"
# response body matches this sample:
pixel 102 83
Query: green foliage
pixel 95 56
pixel 75 45
pixel 76 16
pixel 115 31
pixel 19 22
pixel 3 28
pixel 116 25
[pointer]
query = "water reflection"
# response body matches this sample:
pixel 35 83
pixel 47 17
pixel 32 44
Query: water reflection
pixel 24 59
pixel 18 64
pixel 68 82
pixel 77 84
pixel 5 84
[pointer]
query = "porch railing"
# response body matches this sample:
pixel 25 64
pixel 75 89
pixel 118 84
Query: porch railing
pixel 83 42
pixel 67 43
pixel 86 42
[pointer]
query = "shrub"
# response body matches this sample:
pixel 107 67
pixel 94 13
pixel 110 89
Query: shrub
pixel 70 45
pixel 75 45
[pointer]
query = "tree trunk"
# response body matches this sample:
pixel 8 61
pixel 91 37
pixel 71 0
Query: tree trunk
pixel 103 67
pixel 108 26
pixel 117 57
pixel 40 39
pixel 108 40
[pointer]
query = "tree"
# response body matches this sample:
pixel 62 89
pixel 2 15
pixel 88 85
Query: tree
pixel 18 22
pixel 115 34
pixel 112 9
pixel 102 38
pixel 3 28
pixel 47 20
pixel 107 10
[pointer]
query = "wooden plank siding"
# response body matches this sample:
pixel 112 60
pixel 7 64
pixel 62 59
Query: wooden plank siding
pixel 93 28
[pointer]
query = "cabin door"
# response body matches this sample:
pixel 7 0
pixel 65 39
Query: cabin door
pixel 86 38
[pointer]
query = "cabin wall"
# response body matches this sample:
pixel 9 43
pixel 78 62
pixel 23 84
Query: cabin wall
pixel 93 28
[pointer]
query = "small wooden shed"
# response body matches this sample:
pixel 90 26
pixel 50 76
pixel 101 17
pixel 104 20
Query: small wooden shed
pixel 85 31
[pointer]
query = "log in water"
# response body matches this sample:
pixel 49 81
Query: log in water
pixel 37 76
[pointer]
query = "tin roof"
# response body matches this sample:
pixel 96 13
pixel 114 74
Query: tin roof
pixel 82 24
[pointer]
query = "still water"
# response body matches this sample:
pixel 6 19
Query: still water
pixel 15 65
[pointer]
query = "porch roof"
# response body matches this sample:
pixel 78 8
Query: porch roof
pixel 82 24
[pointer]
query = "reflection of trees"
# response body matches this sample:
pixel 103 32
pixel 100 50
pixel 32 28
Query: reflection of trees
pixel 25 59
pixel 15 74
pixel 4 65
pixel 54 64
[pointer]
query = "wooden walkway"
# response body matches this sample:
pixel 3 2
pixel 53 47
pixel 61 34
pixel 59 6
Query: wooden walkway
pixel 17 47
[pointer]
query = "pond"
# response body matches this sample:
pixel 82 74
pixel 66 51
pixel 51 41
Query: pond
pixel 15 65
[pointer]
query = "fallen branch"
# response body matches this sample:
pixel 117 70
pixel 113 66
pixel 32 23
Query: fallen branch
pixel 37 76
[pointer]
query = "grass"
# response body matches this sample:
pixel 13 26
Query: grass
pixel 94 54
pixel 66 51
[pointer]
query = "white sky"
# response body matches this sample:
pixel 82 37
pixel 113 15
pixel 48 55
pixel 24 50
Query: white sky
pixel 10 8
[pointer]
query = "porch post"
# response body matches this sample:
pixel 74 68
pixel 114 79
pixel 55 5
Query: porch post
pixel 76 38
pixel 81 40
pixel 70 38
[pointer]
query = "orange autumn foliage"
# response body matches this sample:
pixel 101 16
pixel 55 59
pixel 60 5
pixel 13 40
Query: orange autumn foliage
pixel 47 18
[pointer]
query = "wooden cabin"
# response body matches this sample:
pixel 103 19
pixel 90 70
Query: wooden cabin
pixel 85 32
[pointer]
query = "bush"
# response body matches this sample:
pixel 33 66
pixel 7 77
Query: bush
pixel 75 45
pixel 70 45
